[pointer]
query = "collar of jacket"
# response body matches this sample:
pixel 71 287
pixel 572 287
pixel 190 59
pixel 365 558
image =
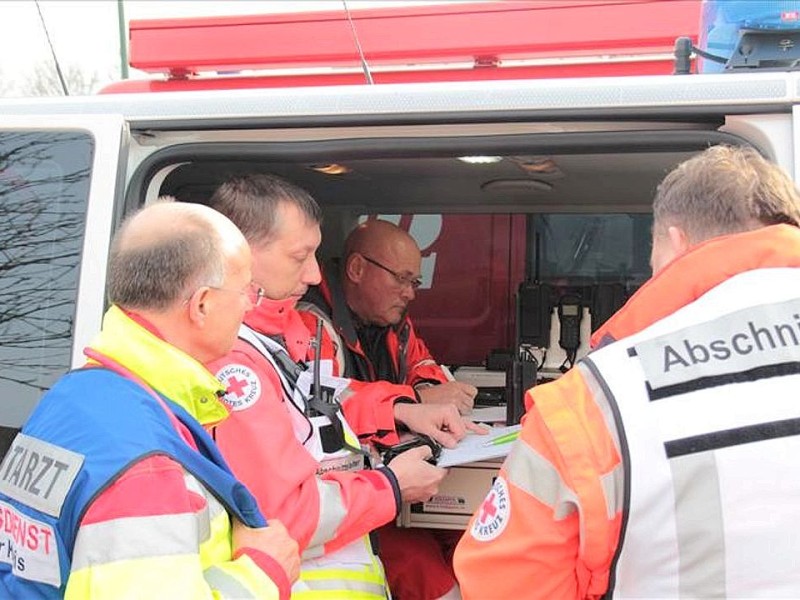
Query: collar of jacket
pixel 168 370
pixel 702 268
pixel 280 318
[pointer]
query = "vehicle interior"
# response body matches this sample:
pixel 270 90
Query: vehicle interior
pixel 518 232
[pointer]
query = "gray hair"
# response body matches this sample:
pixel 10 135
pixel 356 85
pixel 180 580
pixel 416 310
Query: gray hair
pixel 251 202
pixel 724 190
pixel 154 265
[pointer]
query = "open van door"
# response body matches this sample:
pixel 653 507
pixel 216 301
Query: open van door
pixel 58 192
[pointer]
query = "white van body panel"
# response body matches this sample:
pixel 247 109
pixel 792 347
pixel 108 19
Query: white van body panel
pixel 774 134
pixel 425 99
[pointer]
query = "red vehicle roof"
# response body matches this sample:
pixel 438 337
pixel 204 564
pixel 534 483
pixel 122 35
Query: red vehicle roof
pixel 452 42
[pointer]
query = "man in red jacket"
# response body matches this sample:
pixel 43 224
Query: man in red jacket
pixel 299 455
pixel 364 304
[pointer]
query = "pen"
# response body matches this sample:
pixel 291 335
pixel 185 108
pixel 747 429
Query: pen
pixel 503 439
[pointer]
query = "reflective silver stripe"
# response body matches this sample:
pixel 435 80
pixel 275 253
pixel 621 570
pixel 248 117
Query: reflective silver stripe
pixel 698 518
pixel 226 585
pixel 332 513
pixel 346 585
pixel 132 537
pixel 205 516
pixel 613 483
pixel 613 490
pixel 598 393
pixel 532 473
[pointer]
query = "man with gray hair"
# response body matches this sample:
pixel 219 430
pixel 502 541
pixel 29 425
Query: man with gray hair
pixel 113 489
pixel 664 464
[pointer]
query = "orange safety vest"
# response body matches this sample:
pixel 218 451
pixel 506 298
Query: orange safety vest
pixel 550 526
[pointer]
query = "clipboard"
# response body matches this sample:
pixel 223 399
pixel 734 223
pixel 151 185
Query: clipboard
pixel 475 447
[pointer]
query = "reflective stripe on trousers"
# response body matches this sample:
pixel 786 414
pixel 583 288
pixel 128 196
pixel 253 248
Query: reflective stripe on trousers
pixel 358 582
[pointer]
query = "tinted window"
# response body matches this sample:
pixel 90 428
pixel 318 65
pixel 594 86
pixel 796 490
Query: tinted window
pixel 590 248
pixel 44 186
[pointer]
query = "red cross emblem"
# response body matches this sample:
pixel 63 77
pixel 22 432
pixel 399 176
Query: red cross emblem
pixel 236 386
pixel 488 509
pixel 242 386
pixel 493 513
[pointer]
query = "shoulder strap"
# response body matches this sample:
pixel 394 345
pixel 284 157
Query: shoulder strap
pixel 289 372
pixel 339 311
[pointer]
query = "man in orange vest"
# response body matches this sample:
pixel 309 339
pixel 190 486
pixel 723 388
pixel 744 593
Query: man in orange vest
pixel 664 464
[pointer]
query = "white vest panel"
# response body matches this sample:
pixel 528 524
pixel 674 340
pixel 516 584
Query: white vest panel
pixel 346 563
pixel 710 410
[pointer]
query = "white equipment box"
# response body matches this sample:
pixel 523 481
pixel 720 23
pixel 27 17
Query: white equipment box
pixel 460 494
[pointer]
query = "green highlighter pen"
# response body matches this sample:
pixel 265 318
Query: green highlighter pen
pixel 503 439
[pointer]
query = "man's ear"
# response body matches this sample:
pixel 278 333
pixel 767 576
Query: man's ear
pixel 678 240
pixel 197 305
pixel 354 267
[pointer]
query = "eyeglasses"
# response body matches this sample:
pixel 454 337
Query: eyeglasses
pixel 401 280
pixel 254 292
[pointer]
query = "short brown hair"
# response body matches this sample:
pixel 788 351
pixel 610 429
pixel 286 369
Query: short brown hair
pixel 725 189
pixel 251 202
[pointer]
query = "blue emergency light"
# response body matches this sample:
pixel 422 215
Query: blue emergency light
pixel 750 34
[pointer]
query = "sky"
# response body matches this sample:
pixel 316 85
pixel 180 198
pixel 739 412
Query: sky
pixel 86 33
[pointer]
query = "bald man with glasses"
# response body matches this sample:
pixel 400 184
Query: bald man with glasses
pixel 364 303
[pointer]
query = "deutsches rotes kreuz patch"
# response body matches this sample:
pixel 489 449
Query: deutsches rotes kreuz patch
pixel 492 516
pixel 242 384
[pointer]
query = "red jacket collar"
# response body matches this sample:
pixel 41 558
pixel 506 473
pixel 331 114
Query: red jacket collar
pixel 280 318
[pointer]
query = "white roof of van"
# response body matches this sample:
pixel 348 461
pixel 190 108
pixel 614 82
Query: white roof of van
pixel 427 100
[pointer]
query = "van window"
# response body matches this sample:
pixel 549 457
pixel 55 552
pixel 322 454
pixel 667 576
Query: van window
pixel 590 248
pixel 44 186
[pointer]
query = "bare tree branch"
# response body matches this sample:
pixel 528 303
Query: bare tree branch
pixel 43 81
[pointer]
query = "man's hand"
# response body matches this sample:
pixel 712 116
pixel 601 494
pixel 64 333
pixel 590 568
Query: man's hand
pixel 438 421
pixel 459 394
pixel 273 540
pixel 418 480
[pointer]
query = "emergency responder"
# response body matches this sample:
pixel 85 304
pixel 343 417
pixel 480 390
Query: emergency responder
pixel 367 301
pixel 364 302
pixel 280 439
pixel 664 465
pixel 113 489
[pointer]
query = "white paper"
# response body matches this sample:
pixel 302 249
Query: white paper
pixel 475 447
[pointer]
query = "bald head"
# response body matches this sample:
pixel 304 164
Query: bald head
pixel 377 238
pixel 165 250
pixel 381 272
